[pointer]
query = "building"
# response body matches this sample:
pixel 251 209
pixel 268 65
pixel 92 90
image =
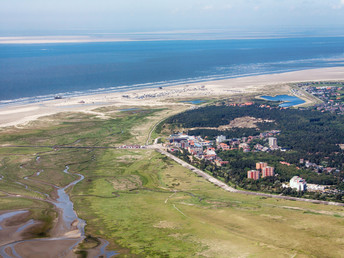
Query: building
pixel 223 146
pixel 268 171
pixel 220 138
pixel 253 174
pixel 209 154
pixel 298 183
pixel 316 188
pixel 261 165
pixel 243 146
pixel 273 143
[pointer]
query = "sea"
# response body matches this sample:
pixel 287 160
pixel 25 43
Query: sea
pixel 36 72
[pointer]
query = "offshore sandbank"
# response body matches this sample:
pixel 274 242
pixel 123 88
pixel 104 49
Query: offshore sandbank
pixel 14 115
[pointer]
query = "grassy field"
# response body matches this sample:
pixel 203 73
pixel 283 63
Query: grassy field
pixel 145 204
pixel 154 207
pixel 28 174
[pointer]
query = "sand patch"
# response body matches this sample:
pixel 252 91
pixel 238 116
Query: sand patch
pixel 18 110
pixel 244 122
pixel 240 122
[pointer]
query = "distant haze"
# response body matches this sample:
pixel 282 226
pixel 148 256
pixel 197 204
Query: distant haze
pixel 32 17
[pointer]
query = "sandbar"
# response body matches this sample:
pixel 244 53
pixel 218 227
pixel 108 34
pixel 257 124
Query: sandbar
pixel 16 115
pixel 58 39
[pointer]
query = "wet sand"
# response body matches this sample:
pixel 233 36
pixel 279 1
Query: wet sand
pixel 46 248
pixel 10 226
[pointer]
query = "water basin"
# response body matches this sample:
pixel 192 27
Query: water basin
pixel 195 101
pixel 288 101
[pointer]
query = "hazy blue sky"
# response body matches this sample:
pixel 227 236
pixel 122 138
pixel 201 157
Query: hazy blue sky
pixel 153 15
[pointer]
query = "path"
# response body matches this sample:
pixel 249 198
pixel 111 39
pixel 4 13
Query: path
pixel 152 130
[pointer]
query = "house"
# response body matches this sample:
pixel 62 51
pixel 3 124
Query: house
pixel 224 146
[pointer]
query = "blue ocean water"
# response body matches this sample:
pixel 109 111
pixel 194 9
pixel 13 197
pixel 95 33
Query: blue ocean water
pixel 33 72
pixel 288 101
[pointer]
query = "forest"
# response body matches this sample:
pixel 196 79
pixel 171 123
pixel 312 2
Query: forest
pixel 306 134
pixel 304 131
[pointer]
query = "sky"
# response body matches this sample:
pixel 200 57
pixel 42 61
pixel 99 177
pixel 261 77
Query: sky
pixel 121 16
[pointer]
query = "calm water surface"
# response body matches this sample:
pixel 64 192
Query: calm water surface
pixel 33 72
pixel 288 101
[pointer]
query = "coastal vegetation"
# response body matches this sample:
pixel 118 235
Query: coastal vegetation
pixel 305 134
pixel 154 207
pixel 143 203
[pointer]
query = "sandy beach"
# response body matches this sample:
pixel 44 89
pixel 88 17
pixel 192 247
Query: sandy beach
pixel 58 39
pixel 16 115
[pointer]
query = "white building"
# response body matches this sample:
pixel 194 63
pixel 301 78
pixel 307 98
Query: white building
pixel 316 188
pixel 298 183
pixel 220 138
pixel 273 143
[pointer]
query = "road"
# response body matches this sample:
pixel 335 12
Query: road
pixel 68 147
pixel 198 171
pixel 233 190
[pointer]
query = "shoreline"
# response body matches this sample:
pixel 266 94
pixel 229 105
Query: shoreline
pixel 127 37
pixel 129 88
pixel 17 114
pixel 148 36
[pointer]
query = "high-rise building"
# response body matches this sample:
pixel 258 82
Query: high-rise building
pixel 261 165
pixel 253 174
pixel 273 142
pixel 268 171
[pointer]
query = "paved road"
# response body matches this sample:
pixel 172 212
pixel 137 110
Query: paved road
pixel 198 171
pixel 233 190
pixel 71 147
pixel 57 147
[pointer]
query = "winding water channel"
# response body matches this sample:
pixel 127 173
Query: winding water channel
pixel 71 227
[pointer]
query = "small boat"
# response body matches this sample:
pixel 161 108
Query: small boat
pixel 58 97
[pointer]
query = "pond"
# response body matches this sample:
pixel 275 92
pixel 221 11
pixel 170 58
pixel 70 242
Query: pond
pixel 195 101
pixel 288 101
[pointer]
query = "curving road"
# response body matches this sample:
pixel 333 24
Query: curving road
pixel 233 190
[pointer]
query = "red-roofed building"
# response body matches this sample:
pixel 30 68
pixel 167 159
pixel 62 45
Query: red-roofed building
pixel 224 146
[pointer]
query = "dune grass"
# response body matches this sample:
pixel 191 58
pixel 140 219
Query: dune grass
pixel 177 214
pixel 145 204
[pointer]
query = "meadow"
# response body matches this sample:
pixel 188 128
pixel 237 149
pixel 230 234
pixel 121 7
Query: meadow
pixel 146 205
